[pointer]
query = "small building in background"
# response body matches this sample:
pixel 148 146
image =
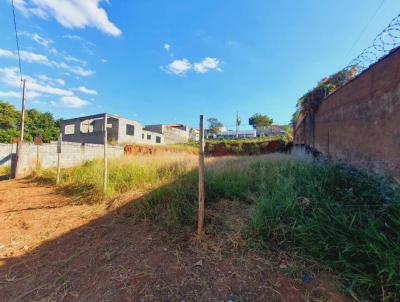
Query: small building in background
pixel 175 133
pixel 90 130
pixel 231 134
pixel 272 130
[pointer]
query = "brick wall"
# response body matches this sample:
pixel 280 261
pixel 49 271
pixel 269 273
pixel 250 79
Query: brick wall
pixel 360 122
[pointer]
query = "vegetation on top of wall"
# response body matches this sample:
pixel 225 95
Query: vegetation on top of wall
pixel 36 124
pixel 310 102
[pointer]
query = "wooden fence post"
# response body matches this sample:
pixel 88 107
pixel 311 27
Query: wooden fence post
pixel 105 157
pixel 200 219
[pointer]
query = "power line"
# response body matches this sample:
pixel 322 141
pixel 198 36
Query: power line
pixel 365 28
pixel 16 39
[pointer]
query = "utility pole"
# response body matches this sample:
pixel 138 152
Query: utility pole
pixel 238 122
pixel 200 217
pixel 21 135
pixel 105 157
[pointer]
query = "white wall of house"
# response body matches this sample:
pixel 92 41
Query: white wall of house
pixel 119 131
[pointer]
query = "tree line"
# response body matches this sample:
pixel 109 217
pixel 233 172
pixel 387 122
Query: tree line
pixel 36 124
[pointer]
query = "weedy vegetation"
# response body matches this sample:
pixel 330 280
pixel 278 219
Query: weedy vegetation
pixel 5 170
pixel 346 219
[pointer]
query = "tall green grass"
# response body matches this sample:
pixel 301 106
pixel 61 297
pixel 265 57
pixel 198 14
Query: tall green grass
pixel 348 220
pixel 132 173
pixel 344 218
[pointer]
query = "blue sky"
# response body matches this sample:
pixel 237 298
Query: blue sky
pixel 169 61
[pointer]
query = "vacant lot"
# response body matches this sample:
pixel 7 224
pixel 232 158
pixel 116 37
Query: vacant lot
pixel 54 247
pixel 276 230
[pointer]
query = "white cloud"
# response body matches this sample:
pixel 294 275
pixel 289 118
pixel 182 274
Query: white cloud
pixel 32 57
pixel 70 58
pixel 70 13
pixel 4 53
pixel 30 95
pixel 178 67
pixel 71 102
pixel 42 85
pixel 27 56
pixel 10 76
pixel 11 94
pixel 37 38
pixel 26 10
pixel 78 38
pixel 87 90
pixel 47 80
pixel 181 67
pixel 167 47
pixel 206 65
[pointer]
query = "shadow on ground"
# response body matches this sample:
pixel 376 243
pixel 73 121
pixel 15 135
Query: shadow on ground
pixel 115 257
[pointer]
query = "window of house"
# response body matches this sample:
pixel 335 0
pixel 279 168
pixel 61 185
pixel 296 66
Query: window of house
pixel 130 129
pixel 69 129
pixel 158 139
pixel 142 135
pixel 148 137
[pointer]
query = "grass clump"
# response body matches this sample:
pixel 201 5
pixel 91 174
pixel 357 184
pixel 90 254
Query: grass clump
pixel 344 218
pixel 131 173
pixel 5 170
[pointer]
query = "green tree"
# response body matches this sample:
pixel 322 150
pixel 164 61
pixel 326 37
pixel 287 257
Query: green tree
pixel 8 122
pixel 214 124
pixel 36 123
pixel 260 121
pixel 41 124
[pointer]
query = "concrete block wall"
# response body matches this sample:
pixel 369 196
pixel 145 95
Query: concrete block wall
pixel 6 151
pixel 359 123
pixel 46 155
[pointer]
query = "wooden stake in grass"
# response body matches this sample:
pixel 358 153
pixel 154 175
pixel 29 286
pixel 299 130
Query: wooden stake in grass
pixel 200 219
pixel 105 157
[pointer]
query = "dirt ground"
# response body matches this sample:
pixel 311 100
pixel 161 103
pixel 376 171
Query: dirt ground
pixel 54 250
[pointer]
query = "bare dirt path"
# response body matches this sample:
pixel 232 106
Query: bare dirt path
pixel 53 250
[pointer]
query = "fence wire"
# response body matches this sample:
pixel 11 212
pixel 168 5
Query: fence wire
pixel 387 40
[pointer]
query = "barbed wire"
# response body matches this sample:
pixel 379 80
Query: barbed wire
pixel 387 40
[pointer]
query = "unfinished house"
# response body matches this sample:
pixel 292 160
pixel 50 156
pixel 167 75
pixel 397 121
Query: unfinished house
pixel 90 130
pixel 174 133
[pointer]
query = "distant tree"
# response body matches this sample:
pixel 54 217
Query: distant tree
pixel 8 122
pixel 36 123
pixel 41 124
pixel 214 125
pixel 260 121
